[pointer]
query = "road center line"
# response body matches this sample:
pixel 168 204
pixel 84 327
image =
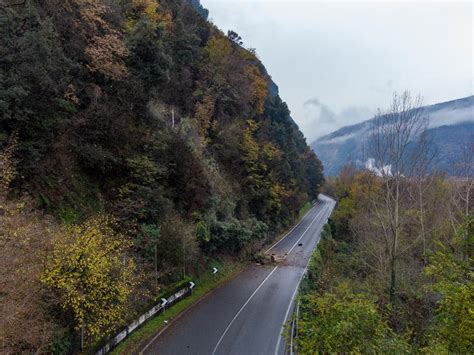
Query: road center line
pixel 241 309
pixel 302 235
pixel 259 286
pixel 295 292
pixel 291 230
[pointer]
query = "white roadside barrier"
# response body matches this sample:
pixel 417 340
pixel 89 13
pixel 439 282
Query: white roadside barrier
pixel 160 307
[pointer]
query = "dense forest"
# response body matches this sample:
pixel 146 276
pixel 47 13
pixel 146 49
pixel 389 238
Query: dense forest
pixel 137 142
pixel 393 272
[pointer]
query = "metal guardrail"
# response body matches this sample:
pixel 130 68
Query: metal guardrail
pixel 294 330
pixel 292 349
pixel 159 308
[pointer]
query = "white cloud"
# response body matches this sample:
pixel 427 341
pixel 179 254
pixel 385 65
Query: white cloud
pixel 450 117
pixel 379 171
pixel 320 119
pixel 338 140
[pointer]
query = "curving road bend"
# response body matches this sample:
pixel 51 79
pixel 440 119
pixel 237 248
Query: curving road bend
pixel 247 315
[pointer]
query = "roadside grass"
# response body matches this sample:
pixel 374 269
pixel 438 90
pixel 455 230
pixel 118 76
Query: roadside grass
pixel 204 284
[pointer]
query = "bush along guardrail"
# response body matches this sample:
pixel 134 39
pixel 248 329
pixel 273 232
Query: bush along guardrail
pixel 158 309
pixel 311 271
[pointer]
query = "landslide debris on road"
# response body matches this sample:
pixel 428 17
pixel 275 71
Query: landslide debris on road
pixel 266 259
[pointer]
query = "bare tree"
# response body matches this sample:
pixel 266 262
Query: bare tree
pixel 462 185
pixel 397 148
pixel 465 171
pixel 422 181
pixel 24 240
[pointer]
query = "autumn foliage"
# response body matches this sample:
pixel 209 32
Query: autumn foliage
pixel 138 142
pixel 93 277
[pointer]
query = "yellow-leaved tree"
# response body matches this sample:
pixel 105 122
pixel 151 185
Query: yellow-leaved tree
pixel 259 160
pixel 92 275
pixel 151 11
pixel 7 166
pixel 204 112
pixel 250 153
pixel 258 88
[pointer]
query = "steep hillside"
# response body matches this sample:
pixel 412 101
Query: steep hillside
pixel 108 100
pixel 451 126
pixel 142 113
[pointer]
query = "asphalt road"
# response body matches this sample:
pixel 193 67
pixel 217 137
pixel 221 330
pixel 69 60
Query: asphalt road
pixel 247 314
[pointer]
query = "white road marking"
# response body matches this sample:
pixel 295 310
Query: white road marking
pixel 252 295
pixel 286 316
pixel 302 235
pixel 241 309
pixel 291 230
pixel 261 284
pixel 295 292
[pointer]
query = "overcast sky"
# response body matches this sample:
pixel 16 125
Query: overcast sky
pixel 337 62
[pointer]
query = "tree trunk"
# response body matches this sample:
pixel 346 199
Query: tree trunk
pixel 422 223
pixel 395 243
pixel 392 280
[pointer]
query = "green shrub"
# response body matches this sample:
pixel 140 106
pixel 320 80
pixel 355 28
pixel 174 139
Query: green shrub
pixel 340 322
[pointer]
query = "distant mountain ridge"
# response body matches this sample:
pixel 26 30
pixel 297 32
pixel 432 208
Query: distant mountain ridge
pixel 451 125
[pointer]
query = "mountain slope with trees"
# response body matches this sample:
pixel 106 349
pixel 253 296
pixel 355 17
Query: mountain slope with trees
pixel 450 127
pixel 138 141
